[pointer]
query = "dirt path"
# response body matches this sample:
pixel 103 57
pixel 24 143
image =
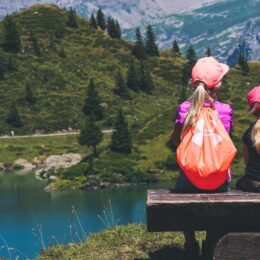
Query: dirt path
pixel 46 135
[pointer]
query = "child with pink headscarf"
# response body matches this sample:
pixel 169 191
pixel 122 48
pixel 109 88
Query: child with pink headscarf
pixel 251 146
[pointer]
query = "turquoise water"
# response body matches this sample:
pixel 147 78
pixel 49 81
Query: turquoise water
pixel 31 219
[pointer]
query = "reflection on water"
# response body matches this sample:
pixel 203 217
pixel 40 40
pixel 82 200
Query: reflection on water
pixel 31 218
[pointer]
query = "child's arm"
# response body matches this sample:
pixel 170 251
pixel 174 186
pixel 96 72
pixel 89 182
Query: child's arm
pixel 245 153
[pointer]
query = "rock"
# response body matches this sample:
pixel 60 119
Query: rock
pixel 104 185
pixel 53 178
pixel 86 185
pixel 125 184
pixel 51 187
pixel 62 161
pixel 23 164
pixel 2 167
pixel 39 161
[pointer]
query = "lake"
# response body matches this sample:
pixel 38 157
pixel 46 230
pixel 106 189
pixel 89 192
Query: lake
pixel 31 219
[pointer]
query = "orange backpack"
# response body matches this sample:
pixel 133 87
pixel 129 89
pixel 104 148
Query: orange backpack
pixel 206 151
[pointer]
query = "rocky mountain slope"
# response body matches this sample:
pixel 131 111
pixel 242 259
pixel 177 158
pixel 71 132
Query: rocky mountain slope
pixel 222 25
pixel 130 13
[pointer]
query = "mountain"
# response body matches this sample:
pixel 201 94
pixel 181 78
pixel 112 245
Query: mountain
pixel 220 25
pixel 130 13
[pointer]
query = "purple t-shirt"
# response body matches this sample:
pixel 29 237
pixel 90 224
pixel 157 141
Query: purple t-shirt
pixel 225 113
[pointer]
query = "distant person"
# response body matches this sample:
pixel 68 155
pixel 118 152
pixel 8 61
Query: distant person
pixel 12 133
pixel 206 79
pixel 251 149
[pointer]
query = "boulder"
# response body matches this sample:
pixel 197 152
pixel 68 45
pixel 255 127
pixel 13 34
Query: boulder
pixel 2 167
pixel 62 161
pixel 23 164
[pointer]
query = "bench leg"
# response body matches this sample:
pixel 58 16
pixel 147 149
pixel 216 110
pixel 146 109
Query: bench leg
pixel 191 246
pixel 209 244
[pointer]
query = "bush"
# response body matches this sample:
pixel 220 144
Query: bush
pixel 73 172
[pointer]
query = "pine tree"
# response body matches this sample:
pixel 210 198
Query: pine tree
pixel 111 28
pixel 72 19
pixel 208 52
pixel 191 56
pixel 175 48
pixel 121 140
pixel 118 30
pixel 138 49
pixel 146 83
pixel 91 134
pixel 52 44
pixel 132 78
pixel 13 117
pixel 191 59
pixel 2 68
pixel 10 65
pixel 62 52
pixel 92 102
pixel 93 21
pixel 242 61
pixel 150 45
pixel 120 86
pixel 29 96
pixel 11 42
pixel 60 31
pixel 90 168
pixel 101 20
pixel 35 46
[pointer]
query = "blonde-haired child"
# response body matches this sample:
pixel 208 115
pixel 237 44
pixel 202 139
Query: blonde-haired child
pixel 251 146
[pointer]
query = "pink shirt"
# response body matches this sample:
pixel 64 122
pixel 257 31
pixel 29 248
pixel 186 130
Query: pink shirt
pixel 224 110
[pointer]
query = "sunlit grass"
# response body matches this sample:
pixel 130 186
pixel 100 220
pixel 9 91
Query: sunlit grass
pixel 31 147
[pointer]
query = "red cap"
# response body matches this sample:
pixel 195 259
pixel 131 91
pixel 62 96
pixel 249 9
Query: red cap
pixel 209 71
pixel 253 96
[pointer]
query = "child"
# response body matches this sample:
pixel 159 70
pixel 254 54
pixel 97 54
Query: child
pixel 206 79
pixel 251 150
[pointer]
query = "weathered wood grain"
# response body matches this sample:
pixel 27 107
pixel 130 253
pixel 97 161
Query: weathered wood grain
pixel 233 211
pixel 242 246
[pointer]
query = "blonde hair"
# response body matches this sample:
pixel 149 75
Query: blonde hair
pixel 255 135
pixel 199 96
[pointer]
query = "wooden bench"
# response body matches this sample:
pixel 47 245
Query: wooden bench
pixel 232 211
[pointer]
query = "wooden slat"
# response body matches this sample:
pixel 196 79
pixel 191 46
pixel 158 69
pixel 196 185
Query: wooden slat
pixel 231 211
pixel 238 246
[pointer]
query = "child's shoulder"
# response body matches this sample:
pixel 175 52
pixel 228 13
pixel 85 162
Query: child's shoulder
pixel 184 106
pixel 225 107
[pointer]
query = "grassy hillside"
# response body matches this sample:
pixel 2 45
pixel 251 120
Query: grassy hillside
pixel 59 83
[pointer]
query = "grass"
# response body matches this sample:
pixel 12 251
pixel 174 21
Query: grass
pixel 31 147
pixel 123 242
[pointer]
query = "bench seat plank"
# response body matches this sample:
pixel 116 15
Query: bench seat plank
pixel 234 211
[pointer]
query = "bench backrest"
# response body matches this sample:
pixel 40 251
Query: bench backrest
pixel 234 211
